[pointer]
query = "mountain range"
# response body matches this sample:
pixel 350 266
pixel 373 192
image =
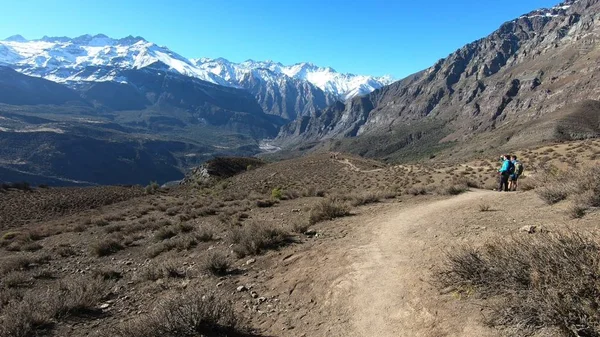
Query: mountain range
pixel 529 81
pixel 170 111
pixel 93 109
pixel 281 90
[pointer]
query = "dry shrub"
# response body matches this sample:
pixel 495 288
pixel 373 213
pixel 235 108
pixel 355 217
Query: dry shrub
pixel 37 310
pixel 254 237
pixel 159 248
pixel 205 233
pixel 172 211
pixel 185 227
pixel 204 211
pixel 299 226
pixel 365 198
pixel 553 192
pixel 583 185
pixel 484 207
pixel 107 246
pixel 165 233
pixel 156 271
pixel 416 191
pixel 188 315
pixel 17 279
pixel 22 262
pixel 454 189
pixel 101 222
pixel 107 274
pixel 290 195
pixel 532 282
pixel 216 262
pixel 313 192
pixel 328 209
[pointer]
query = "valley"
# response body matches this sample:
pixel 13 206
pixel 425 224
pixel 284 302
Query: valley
pixel 310 246
pixel 144 193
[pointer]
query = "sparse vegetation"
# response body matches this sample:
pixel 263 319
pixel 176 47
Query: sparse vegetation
pixel 216 262
pixel 37 310
pixel 328 209
pixel 582 185
pixel 253 238
pixel 107 246
pixel 276 194
pixel 532 281
pixel 188 315
pixel 152 188
pixel 164 233
pixel 484 207
pixel 365 198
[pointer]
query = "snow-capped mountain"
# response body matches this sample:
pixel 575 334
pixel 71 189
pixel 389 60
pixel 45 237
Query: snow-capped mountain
pixel 92 58
pixel 552 12
pixel 100 58
pixel 342 86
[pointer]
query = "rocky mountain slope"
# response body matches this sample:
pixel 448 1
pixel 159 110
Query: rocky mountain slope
pixel 286 91
pixel 529 68
pixel 151 128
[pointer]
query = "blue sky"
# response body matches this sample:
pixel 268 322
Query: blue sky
pixel 359 36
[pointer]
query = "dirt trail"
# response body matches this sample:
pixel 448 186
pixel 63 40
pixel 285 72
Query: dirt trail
pixel 356 168
pixel 376 279
pixel 389 296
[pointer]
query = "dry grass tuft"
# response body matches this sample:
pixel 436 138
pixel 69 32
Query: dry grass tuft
pixel 365 198
pixel 328 209
pixel 37 311
pixel 485 207
pixel 216 262
pixel 188 315
pixel 582 185
pixel 533 281
pixel 107 246
pixel 253 238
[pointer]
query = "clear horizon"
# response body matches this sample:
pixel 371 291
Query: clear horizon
pixel 367 38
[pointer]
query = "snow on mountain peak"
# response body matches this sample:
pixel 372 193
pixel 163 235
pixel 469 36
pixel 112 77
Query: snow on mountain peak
pixel 100 58
pixel 558 10
pixel 343 86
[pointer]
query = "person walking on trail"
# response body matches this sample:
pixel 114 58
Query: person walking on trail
pixel 505 171
pixel 513 181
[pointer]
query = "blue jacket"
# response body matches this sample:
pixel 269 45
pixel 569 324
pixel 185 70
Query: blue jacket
pixel 505 167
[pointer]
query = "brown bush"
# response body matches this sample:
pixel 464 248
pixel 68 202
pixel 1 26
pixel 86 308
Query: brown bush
pixel 552 193
pixel 365 198
pixel 107 246
pixel 216 262
pixel 583 185
pixel 416 191
pixel 328 209
pixel 532 282
pixel 205 233
pixel 188 315
pixel 255 237
pixel 165 233
pixel 37 310
pixel 22 262
pixel 159 248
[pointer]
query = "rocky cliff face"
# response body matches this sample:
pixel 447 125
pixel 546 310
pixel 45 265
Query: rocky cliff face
pixel 530 67
pixel 285 96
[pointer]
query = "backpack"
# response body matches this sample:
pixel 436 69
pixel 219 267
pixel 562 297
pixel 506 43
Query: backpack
pixel 511 167
pixel 518 168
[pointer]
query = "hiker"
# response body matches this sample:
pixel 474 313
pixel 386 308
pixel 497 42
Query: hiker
pixel 505 171
pixel 513 181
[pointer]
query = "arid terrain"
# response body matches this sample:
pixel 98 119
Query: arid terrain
pixel 323 245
